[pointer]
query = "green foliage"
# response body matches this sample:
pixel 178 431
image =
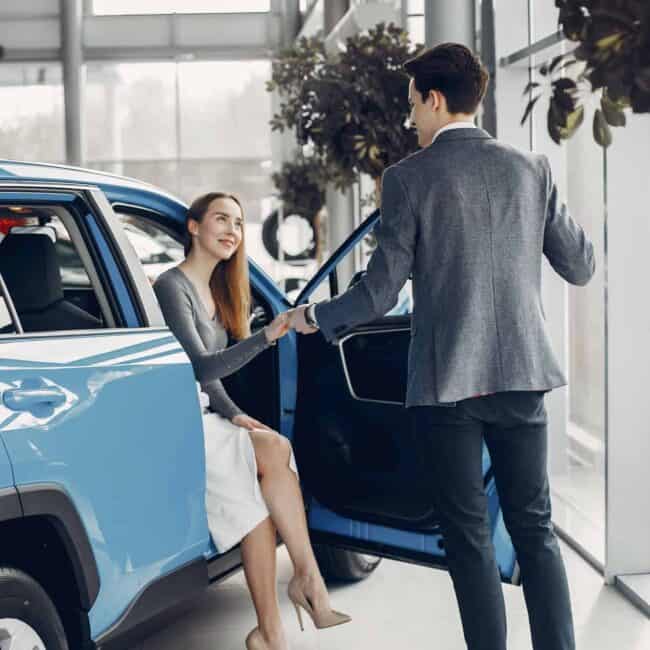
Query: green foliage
pixel 613 46
pixel 301 186
pixel 351 108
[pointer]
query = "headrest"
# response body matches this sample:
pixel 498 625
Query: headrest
pixel 30 270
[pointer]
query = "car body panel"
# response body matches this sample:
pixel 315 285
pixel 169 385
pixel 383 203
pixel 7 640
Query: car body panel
pixel 131 192
pixel 126 444
pixel 111 445
pixel 6 471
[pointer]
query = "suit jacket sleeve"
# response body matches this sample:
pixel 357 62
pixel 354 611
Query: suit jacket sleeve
pixel 388 268
pixel 566 246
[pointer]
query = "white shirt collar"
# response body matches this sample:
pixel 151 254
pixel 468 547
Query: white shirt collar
pixel 453 125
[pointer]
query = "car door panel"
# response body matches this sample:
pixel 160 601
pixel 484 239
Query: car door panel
pixel 6 473
pixel 365 485
pixel 125 443
pixel 373 360
pixel 110 417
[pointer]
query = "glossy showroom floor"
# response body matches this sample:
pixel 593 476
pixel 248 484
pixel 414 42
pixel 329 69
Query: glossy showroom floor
pixel 401 606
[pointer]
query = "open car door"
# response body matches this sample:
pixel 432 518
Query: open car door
pixel 353 437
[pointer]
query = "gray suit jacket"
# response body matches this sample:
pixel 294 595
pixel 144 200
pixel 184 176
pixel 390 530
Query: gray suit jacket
pixel 470 217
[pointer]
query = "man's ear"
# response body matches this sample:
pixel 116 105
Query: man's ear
pixel 436 97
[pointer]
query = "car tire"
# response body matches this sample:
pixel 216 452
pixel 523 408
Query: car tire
pixel 270 239
pixel 28 617
pixel 339 565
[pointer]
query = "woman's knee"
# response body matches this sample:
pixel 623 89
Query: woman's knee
pixel 272 449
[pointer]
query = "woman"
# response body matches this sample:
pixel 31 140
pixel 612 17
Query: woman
pixel 252 486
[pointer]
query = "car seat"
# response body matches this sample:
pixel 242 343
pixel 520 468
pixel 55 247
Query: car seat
pixel 29 266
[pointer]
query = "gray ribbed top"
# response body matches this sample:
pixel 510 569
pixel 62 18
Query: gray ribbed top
pixel 204 339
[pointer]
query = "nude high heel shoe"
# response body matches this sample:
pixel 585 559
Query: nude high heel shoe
pixel 321 619
pixel 255 641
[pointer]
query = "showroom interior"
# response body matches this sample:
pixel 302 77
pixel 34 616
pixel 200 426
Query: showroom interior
pixel 190 96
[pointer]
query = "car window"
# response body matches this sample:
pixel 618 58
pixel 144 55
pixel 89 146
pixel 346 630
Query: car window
pixel 42 255
pixel 349 270
pixel 157 250
pixel 7 325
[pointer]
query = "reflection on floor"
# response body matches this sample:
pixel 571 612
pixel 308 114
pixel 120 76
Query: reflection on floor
pixel 402 606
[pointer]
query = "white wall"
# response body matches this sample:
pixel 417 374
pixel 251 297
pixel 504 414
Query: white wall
pixel 628 349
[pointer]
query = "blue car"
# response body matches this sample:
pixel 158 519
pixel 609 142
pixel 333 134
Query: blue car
pixel 102 471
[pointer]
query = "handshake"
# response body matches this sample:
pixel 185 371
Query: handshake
pixel 292 319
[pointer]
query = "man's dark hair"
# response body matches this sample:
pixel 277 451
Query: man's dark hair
pixel 453 70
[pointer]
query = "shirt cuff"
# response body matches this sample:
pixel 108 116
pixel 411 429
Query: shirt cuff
pixel 311 312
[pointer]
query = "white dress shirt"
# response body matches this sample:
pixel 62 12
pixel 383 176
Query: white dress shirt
pixel 453 125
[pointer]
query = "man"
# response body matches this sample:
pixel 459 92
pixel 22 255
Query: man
pixel 470 217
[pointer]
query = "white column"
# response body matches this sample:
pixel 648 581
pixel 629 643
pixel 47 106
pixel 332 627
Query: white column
pixel 340 205
pixel 73 79
pixel 446 21
pixel 628 351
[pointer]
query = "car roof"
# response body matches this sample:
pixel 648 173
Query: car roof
pixel 117 188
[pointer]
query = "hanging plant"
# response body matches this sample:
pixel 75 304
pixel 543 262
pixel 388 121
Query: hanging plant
pixel 613 52
pixel 351 108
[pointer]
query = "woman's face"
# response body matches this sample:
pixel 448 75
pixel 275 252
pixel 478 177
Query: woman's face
pixel 220 231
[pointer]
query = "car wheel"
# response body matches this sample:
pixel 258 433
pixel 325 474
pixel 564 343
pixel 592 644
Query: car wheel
pixel 347 566
pixel 270 238
pixel 28 617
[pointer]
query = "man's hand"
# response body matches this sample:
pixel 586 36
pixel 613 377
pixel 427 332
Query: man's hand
pixel 246 421
pixel 298 322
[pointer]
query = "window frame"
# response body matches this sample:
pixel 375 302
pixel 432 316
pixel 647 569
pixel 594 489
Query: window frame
pixel 85 243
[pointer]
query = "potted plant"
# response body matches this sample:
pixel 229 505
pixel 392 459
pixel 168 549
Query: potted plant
pixel 351 109
pixel 613 48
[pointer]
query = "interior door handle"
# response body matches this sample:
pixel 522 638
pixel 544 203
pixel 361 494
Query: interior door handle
pixel 27 399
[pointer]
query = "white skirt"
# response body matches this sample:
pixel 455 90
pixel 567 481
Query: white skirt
pixel 233 498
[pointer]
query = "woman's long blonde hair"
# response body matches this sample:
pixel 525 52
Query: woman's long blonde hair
pixel 229 282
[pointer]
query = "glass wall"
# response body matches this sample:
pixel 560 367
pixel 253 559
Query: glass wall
pixel 415 20
pixel 188 128
pixel 31 112
pixel 599 443
pixel 117 7
pixel 575 315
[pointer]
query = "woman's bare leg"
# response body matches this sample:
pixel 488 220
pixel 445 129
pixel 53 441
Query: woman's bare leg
pixel 258 551
pixel 283 497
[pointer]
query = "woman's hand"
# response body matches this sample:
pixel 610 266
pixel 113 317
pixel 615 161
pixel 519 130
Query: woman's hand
pixel 246 421
pixel 278 327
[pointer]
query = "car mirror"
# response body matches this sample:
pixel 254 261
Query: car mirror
pixel 258 318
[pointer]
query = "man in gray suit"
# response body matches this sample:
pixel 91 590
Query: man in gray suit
pixel 470 218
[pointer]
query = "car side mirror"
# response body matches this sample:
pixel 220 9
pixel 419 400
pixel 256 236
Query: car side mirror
pixel 258 318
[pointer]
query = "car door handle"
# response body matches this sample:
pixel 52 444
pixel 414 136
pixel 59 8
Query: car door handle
pixel 26 399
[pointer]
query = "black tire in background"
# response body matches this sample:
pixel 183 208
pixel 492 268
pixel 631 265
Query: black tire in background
pixel 339 565
pixel 22 598
pixel 270 227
